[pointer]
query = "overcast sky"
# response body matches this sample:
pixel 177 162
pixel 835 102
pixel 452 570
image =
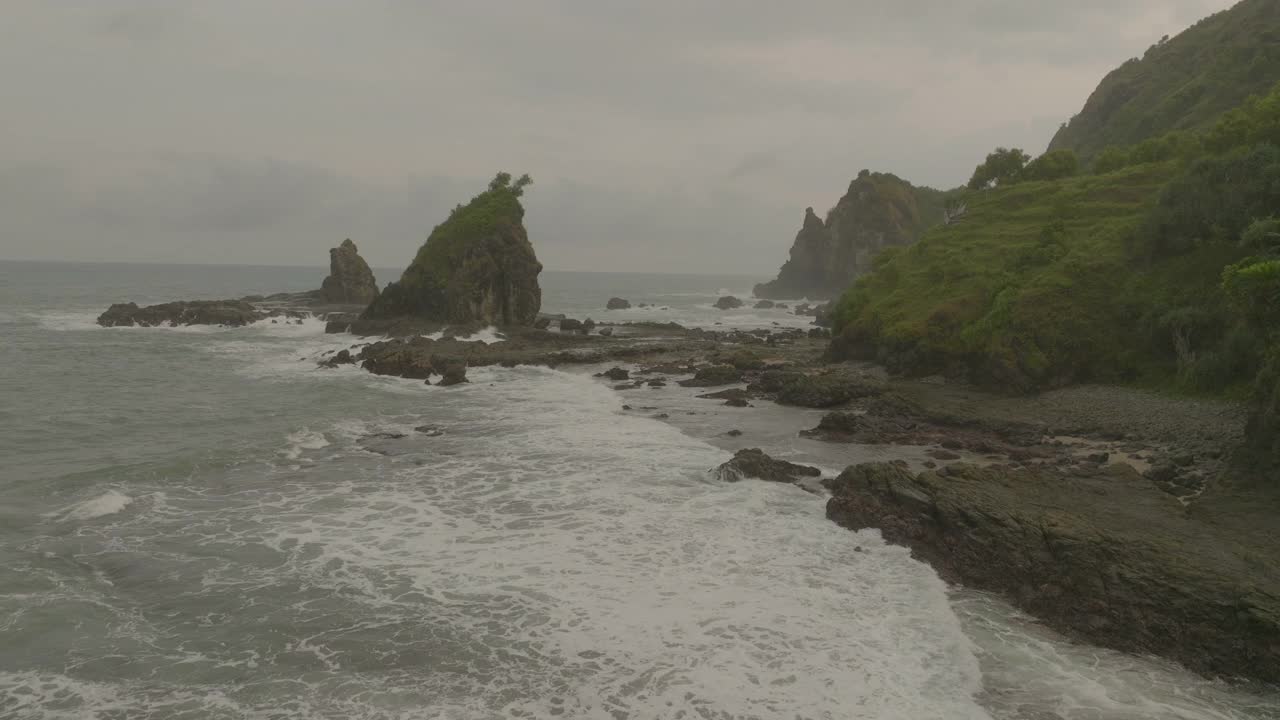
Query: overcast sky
pixel 662 135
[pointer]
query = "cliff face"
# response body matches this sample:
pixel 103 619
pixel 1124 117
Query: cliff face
pixel 1183 83
pixel 477 267
pixel 350 280
pixel 880 210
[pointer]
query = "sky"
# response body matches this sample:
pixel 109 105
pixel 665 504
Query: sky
pixel 662 136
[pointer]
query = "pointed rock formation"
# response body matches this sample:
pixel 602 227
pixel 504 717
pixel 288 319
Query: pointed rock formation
pixel 350 280
pixel 880 210
pixel 476 268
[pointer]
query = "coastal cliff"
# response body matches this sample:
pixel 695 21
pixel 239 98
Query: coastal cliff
pixel 879 210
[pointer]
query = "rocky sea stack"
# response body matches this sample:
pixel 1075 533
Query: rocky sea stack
pixel 476 268
pixel 350 280
pixel 880 210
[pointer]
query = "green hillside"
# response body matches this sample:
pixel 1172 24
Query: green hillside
pixel 1183 83
pixel 1164 270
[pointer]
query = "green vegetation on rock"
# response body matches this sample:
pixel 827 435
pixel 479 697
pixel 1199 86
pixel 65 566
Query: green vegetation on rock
pixel 476 267
pixel 1183 83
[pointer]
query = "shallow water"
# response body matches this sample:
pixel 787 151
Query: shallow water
pixel 197 523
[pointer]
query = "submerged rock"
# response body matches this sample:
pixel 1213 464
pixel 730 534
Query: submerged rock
pixel 350 280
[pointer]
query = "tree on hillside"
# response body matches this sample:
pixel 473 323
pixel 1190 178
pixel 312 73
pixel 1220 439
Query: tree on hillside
pixel 1053 165
pixel 1001 167
pixel 503 180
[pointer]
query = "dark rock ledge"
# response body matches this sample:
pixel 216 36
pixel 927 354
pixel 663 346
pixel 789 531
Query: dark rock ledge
pixel 1110 559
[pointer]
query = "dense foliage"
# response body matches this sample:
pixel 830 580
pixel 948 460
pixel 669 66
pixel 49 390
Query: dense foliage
pixel 1163 271
pixel 1184 83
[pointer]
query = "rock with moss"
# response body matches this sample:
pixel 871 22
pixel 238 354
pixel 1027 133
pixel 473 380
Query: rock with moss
pixel 824 391
pixel 714 375
pixel 350 280
pixel 477 267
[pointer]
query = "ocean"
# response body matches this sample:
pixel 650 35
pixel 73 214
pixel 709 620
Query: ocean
pixel 200 523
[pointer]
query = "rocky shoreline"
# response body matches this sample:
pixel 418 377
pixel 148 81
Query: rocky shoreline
pixel 1108 513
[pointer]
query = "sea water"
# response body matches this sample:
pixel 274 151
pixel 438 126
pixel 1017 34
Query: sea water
pixel 201 523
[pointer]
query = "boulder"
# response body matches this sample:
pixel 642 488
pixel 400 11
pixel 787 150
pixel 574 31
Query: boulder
pixel 754 463
pixel 605 332
pixel 616 373
pixel 350 280
pixel 764 305
pixel 231 313
pixel 542 323
pixel 342 357
pixel 617 303
pixel 1108 557
pixel 728 302
pixel 476 268
pixel 570 325
pixel 452 370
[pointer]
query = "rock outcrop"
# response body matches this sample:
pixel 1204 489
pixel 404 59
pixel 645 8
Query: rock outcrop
pixel 350 281
pixel 232 313
pixel 477 267
pixel 728 302
pixel 617 303
pixel 754 463
pixel 1106 557
pixel 879 210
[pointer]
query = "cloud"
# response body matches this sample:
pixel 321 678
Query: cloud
pixel 663 135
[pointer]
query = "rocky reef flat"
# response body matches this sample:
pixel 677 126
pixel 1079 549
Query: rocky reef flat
pixel 1108 513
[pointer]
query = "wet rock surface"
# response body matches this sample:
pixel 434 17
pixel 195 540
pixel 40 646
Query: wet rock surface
pixel 754 463
pixel 231 313
pixel 1108 557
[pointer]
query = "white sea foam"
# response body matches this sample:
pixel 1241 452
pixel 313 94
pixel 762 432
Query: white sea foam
pixel 299 442
pixel 108 503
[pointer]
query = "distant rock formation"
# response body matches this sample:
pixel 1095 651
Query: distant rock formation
pixel 617 303
pixel 350 280
pixel 880 210
pixel 728 302
pixel 232 313
pixel 476 268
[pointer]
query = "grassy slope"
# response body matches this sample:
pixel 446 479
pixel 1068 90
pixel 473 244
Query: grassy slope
pixel 1022 290
pixel 1182 84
